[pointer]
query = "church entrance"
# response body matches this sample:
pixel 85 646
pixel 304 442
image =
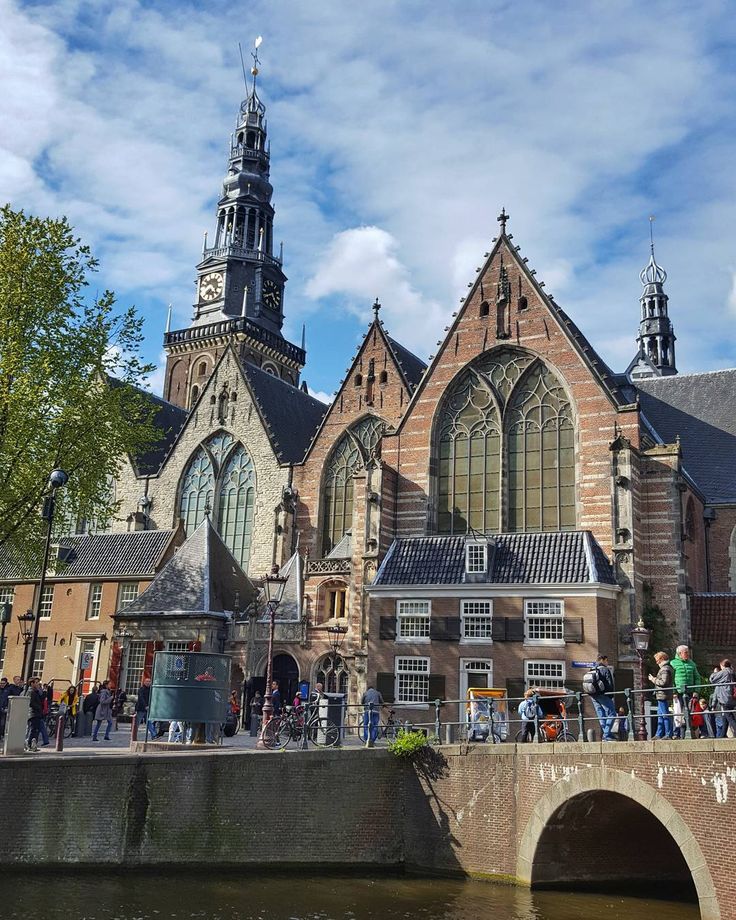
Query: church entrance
pixel 286 672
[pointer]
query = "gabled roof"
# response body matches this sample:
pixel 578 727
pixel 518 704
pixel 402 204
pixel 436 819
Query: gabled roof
pixel 167 418
pixel 700 409
pixel 100 555
pixel 202 577
pixel 343 549
pixel 713 620
pixel 562 557
pixel 412 366
pixel 292 416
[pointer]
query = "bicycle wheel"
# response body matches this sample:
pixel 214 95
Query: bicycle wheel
pixel 69 728
pixel 565 735
pixel 390 731
pixel 324 733
pixel 276 735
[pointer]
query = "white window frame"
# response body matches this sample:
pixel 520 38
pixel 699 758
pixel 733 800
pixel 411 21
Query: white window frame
pixel 47 589
pixel 401 668
pixel 540 681
pixel 121 591
pixel 532 615
pixel 137 670
pixel 408 610
pixel 464 616
pixel 39 657
pixel 94 602
pixel 3 653
pixel 476 567
pixel 178 645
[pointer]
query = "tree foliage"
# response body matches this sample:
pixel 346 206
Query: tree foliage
pixel 59 347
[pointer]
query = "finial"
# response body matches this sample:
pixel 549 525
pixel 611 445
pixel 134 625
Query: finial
pixel 651 233
pixel 376 308
pixel 502 218
pixel 204 243
pixel 168 319
pixel 653 273
pixel 256 60
pixel 207 508
pixel 304 336
pixel 245 300
pixel 260 240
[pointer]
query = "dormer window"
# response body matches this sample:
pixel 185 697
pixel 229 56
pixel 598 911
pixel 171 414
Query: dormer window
pixel 476 558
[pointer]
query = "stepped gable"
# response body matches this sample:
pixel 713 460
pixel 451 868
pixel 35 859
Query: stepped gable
pixel 562 557
pixel 167 418
pixel 102 555
pixel 292 416
pixel 201 578
pixel 700 410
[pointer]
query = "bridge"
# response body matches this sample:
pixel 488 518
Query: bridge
pixel 659 815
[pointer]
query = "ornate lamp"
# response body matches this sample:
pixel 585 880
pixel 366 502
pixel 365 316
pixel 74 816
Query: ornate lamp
pixel 273 590
pixel 641 636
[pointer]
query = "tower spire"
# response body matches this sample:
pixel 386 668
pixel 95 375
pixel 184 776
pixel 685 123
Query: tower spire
pixel 656 339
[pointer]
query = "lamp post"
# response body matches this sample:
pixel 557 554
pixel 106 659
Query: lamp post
pixel 57 479
pixel 273 588
pixel 336 637
pixel 641 636
pixel 25 622
pixel 6 614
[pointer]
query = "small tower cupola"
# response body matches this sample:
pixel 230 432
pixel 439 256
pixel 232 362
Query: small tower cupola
pixel 656 339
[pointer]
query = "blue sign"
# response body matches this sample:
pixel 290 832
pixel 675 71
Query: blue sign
pixel 583 664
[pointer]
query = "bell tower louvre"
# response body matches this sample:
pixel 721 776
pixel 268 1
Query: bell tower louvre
pixel 240 282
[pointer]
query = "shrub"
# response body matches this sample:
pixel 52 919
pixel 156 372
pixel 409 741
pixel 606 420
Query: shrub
pixel 408 743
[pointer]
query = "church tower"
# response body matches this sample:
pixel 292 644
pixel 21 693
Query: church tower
pixel 240 282
pixel 656 339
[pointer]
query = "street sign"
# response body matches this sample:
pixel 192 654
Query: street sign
pixel 583 664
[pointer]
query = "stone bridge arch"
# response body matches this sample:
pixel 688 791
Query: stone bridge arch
pixel 610 788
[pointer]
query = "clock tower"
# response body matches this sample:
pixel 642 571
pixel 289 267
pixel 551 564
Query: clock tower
pixel 240 283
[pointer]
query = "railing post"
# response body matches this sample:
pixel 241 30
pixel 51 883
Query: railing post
pixel 437 725
pixel 630 713
pixel 686 713
pixel 535 701
pixel 60 732
pixel 581 718
pixel 134 730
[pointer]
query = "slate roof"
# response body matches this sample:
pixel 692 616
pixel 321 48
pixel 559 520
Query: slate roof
pixel 167 418
pixel 103 555
pixel 713 621
pixel 701 409
pixel 412 366
pixel 292 414
pixel 202 577
pixel 343 549
pixel 567 557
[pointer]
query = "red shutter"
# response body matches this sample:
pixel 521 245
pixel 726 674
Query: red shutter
pixel 115 659
pixel 195 646
pixel 148 660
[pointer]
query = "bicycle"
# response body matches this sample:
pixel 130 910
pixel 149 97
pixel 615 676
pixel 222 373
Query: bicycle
pixel 552 730
pixel 52 721
pixel 388 727
pixel 292 725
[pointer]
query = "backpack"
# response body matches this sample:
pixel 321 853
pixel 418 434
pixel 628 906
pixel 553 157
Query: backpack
pixel 593 683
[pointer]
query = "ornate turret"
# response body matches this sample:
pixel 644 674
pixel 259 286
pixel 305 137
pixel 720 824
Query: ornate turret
pixel 656 339
pixel 240 282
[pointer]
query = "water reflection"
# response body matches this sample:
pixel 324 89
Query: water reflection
pixel 131 896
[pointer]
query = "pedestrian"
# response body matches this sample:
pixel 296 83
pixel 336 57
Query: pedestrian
pixel 529 710
pixel 275 698
pixel 686 675
pixel 696 716
pixel 372 702
pixel 709 722
pixel 119 699
pixel 176 732
pixel 663 682
pixel 142 705
pixel 91 701
pixel 103 713
pixel 256 710
pixel 4 697
pixel 69 704
pixel 47 692
pixel 724 680
pixel 598 684
pixel 36 715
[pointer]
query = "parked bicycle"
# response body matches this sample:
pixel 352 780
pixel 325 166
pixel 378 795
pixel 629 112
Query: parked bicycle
pixel 292 725
pixel 553 723
pixel 388 727
pixel 52 721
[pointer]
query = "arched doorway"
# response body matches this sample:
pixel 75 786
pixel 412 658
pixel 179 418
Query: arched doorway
pixel 286 671
pixel 580 835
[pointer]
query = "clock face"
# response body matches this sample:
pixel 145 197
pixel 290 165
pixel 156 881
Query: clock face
pixel 211 285
pixel 271 294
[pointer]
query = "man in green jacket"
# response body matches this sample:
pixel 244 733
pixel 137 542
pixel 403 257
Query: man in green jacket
pixel 686 675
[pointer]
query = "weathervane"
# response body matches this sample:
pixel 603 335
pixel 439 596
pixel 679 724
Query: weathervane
pixel 651 233
pixel 376 307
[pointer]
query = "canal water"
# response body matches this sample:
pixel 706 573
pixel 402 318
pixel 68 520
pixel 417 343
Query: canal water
pixel 204 895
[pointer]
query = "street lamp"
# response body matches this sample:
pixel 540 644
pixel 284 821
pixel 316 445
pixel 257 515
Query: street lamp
pixel 641 636
pixel 273 589
pixel 57 479
pixel 25 622
pixel 6 615
pixel 336 636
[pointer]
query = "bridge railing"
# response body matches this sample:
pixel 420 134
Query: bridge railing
pixel 556 717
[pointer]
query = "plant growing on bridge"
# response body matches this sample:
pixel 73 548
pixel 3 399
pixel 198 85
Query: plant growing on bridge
pixel 408 744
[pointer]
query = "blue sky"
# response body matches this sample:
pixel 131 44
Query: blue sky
pixel 398 129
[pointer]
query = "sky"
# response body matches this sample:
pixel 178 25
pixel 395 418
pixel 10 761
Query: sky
pixel 398 131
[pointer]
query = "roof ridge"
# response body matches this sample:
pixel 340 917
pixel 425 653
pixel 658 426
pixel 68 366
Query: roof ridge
pixel 668 377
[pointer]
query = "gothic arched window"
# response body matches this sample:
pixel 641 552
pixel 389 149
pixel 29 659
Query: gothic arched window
pixel 505 419
pixel 220 480
pixel 359 446
pixel 332 673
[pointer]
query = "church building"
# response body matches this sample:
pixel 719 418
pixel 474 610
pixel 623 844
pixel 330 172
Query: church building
pixel 494 518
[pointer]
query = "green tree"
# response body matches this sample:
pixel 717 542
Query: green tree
pixel 69 369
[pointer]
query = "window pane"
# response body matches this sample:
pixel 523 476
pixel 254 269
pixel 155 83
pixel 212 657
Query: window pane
pixel 136 657
pixel 39 658
pixel 47 602
pixel 412 680
pixel 237 499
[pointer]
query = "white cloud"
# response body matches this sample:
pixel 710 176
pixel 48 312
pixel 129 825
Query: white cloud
pixel 321 396
pixel 155 380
